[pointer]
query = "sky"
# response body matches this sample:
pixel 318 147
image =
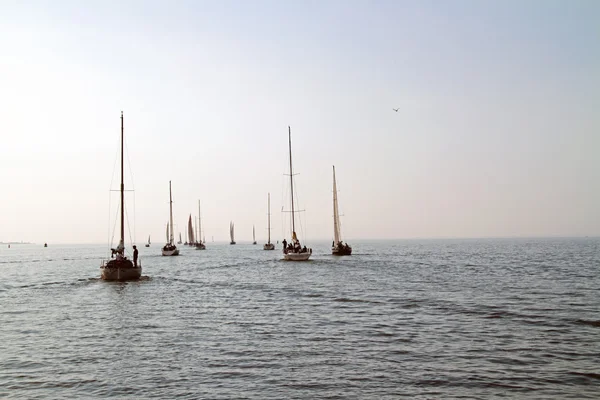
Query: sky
pixel 497 132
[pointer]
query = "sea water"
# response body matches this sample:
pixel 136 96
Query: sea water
pixel 430 319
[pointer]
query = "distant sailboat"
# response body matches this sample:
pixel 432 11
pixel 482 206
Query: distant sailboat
pixel 253 235
pixel 295 251
pixel 231 233
pixel 190 232
pixel 269 245
pixel 170 249
pixel 180 241
pixel 45 244
pixel 201 242
pixel 338 247
pixel 148 244
pixel 121 268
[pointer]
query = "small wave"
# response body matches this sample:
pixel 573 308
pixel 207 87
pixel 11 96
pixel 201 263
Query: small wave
pixel 384 334
pixel 592 375
pixel 347 300
pixel 588 322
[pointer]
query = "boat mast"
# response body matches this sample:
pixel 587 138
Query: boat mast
pixel 269 214
pixel 199 226
pixel 336 216
pixel 291 182
pixel 122 241
pixel 171 214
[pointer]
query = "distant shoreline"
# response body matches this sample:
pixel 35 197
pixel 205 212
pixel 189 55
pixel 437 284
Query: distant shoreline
pixel 16 243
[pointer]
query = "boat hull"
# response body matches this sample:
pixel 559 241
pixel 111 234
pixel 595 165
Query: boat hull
pixel 269 246
pixel 120 271
pixel 232 243
pixel 174 252
pixel 341 251
pixel 297 256
pixel 200 246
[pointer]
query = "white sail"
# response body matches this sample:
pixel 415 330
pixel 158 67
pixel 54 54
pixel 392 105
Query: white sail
pixel 253 234
pixel 190 230
pixel 231 232
pixel 336 215
pixel 148 239
pixel 167 232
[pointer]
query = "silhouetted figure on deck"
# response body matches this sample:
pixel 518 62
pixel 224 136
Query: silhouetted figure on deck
pixel 135 256
pixel 284 243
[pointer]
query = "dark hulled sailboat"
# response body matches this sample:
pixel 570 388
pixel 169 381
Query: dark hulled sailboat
pixel 120 268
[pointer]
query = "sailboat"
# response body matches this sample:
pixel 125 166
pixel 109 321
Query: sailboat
pixel 231 232
pixel 295 251
pixel 253 235
pixel 190 232
pixel 338 247
pixel 120 268
pixel 180 241
pixel 200 244
pixel 148 244
pixel 269 245
pixel 169 249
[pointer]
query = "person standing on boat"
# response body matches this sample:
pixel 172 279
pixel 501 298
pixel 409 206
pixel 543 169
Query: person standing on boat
pixel 135 255
pixel 284 244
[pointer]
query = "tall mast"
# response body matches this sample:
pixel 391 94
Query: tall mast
pixel 199 226
pixel 171 213
pixel 122 241
pixel 269 214
pixel 291 180
pixel 336 216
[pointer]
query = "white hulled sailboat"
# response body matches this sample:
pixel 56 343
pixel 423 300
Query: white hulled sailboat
pixel 294 251
pixel 121 268
pixel 169 249
pixel 338 248
pixel 269 245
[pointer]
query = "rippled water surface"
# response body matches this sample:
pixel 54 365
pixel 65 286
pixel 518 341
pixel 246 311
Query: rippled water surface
pixel 416 319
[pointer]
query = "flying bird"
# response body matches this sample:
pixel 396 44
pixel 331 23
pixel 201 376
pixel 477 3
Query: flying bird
pixel 395 109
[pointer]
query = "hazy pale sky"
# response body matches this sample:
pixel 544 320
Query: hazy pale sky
pixel 498 132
